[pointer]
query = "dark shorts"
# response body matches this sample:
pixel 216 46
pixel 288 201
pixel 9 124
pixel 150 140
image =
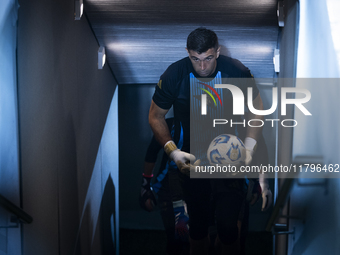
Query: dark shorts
pixel 218 201
pixel 211 200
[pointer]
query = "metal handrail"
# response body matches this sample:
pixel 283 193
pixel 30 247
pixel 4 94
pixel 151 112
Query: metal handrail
pixel 280 202
pixel 287 187
pixel 17 211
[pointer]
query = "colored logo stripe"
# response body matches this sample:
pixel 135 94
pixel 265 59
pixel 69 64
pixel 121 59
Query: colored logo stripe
pixel 213 90
pixel 209 95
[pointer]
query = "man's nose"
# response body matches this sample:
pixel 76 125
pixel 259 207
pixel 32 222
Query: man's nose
pixel 202 65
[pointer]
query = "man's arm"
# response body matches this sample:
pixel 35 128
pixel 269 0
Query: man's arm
pixel 255 132
pixel 158 124
pixel 162 135
pixel 148 168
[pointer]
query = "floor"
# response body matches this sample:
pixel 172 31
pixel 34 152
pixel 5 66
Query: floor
pixel 152 242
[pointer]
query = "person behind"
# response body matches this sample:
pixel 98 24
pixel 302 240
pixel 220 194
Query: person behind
pixel 169 195
pixel 173 89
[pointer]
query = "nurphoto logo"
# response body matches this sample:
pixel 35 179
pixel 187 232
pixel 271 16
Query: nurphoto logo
pixel 238 105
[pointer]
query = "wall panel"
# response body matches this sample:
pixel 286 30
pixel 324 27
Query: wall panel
pixel 64 103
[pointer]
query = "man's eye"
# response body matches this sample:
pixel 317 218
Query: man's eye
pixel 196 59
pixel 208 59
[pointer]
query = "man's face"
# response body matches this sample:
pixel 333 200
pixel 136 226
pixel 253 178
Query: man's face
pixel 205 63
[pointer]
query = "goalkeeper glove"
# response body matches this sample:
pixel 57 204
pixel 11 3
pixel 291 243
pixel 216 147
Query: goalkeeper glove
pixel 181 221
pixel 181 158
pixel 147 199
pixel 250 144
pixel 267 195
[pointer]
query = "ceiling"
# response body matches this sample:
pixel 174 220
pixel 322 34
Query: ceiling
pixel 143 37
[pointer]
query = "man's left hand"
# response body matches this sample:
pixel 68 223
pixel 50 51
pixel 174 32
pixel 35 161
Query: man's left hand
pixel 267 196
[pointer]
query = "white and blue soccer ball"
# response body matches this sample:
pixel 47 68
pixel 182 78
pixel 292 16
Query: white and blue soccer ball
pixel 226 150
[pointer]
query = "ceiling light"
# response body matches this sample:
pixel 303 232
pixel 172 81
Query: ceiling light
pixel 280 14
pixel 101 57
pixel 276 60
pixel 79 7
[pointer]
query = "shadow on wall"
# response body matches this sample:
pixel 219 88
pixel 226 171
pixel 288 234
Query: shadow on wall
pixel 105 236
pixel 107 233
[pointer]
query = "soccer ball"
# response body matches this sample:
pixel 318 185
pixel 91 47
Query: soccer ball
pixel 226 150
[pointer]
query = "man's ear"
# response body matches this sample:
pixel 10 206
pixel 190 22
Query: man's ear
pixel 187 50
pixel 218 52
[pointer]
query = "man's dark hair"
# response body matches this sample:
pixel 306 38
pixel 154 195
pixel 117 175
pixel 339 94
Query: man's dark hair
pixel 201 40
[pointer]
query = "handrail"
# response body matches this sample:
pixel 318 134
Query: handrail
pixel 280 202
pixel 287 187
pixel 17 211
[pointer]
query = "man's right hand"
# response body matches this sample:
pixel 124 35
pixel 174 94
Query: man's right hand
pixel 181 158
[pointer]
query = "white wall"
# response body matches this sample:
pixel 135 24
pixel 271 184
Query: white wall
pixel 68 132
pixel 9 143
pixel 317 207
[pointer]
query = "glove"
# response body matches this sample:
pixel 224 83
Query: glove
pixel 181 158
pixel 267 195
pixel 147 199
pixel 181 221
pixel 250 144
